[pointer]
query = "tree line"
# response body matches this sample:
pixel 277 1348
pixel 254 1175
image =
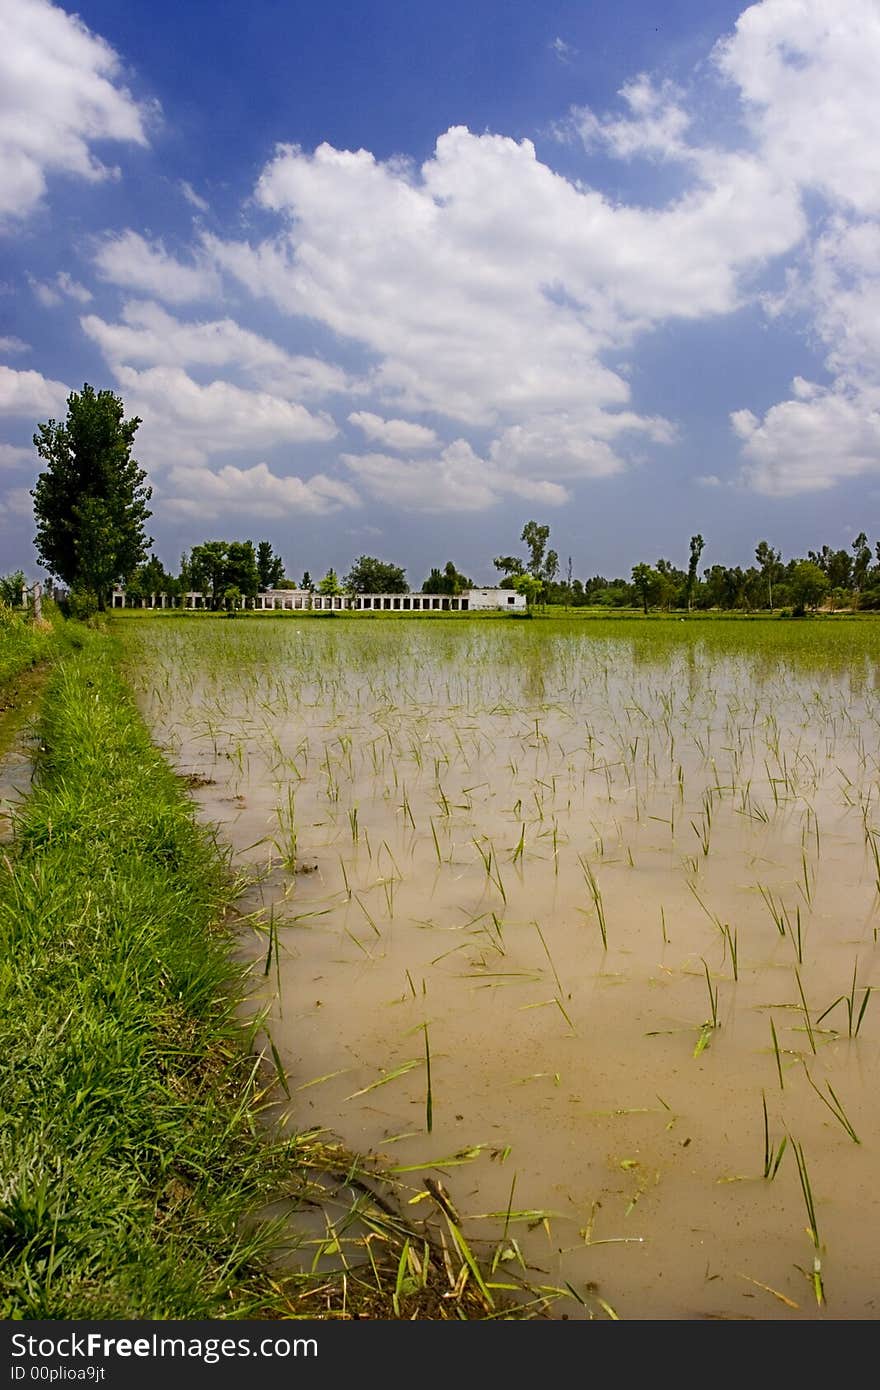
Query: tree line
pixel 230 571
pixel 834 578
pixel 91 509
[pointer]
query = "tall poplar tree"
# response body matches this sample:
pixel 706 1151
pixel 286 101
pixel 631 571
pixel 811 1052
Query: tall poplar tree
pixel 90 503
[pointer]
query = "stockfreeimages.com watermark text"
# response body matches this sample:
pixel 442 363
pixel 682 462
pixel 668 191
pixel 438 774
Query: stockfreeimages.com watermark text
pixel 29 1352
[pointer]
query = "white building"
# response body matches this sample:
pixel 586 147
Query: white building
pixel 472 600
pixel 290 600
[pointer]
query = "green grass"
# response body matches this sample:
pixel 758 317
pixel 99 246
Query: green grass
pixel 134 1153
pixel 23 647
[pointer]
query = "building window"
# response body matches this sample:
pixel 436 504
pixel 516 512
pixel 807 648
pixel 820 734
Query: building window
pixel 512 598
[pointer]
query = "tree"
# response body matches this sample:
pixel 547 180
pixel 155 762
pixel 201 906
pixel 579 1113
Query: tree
pixel 90 504
pixel 861 561
pixel 12 589
pixel 671 582
pixel 509 565
pixel 697 544
pixel 835 564
pixel 153 577
pixel 434 582
pixel 808 585
pixel 207 568
pixel 241 569
pixel 370 576
pixel 530 586
pixel 769 561
pixel 185 578
pixel 449 582
pixel 148 579
pixel 329 584
pixel 839 571
pixel 270 567
pixel 647 583
pixel 542 564
pixel 536 538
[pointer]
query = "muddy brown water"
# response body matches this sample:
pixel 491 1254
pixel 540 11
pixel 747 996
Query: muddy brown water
pixel 467 810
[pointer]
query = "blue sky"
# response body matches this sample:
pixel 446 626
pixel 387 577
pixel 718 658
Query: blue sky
pixel 394 279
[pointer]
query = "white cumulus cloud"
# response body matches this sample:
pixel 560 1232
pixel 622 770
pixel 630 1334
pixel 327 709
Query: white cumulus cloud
pixel 149 336
pixel 129 260
pixel 457 480
pixel 14 456
pixel 394 434
pixel 31 393
pixel 230 492
pixel 62 286
pixel 184 422
pixel 61 90
pixel 810 442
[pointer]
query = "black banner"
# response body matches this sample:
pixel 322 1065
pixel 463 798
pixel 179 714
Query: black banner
pixel 269 1354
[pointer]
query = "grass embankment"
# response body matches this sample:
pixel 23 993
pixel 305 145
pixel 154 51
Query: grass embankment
pixel 24 646
pixel 132 1156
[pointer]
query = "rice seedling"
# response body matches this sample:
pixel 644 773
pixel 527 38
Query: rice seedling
pixel 286 844
pixel 369 916
pixel 777 912
pixel 711 1024
pixel 344 872
pixel 596 895
pixel 273 953
pixel 731 943
pixel 853 1018
pixel 834 1105
pixel 429 1094
pixel 772 1152
pixel 549 957
pixel 279 1067
pixel 796 935
pixel 871 836
pixel 806 1013
pixel 806 885
pixel 386 1078
pixel 518 851
pixel 815 1275
pixel 776 1053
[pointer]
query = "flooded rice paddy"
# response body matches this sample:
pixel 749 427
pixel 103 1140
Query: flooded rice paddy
pixel 576 920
